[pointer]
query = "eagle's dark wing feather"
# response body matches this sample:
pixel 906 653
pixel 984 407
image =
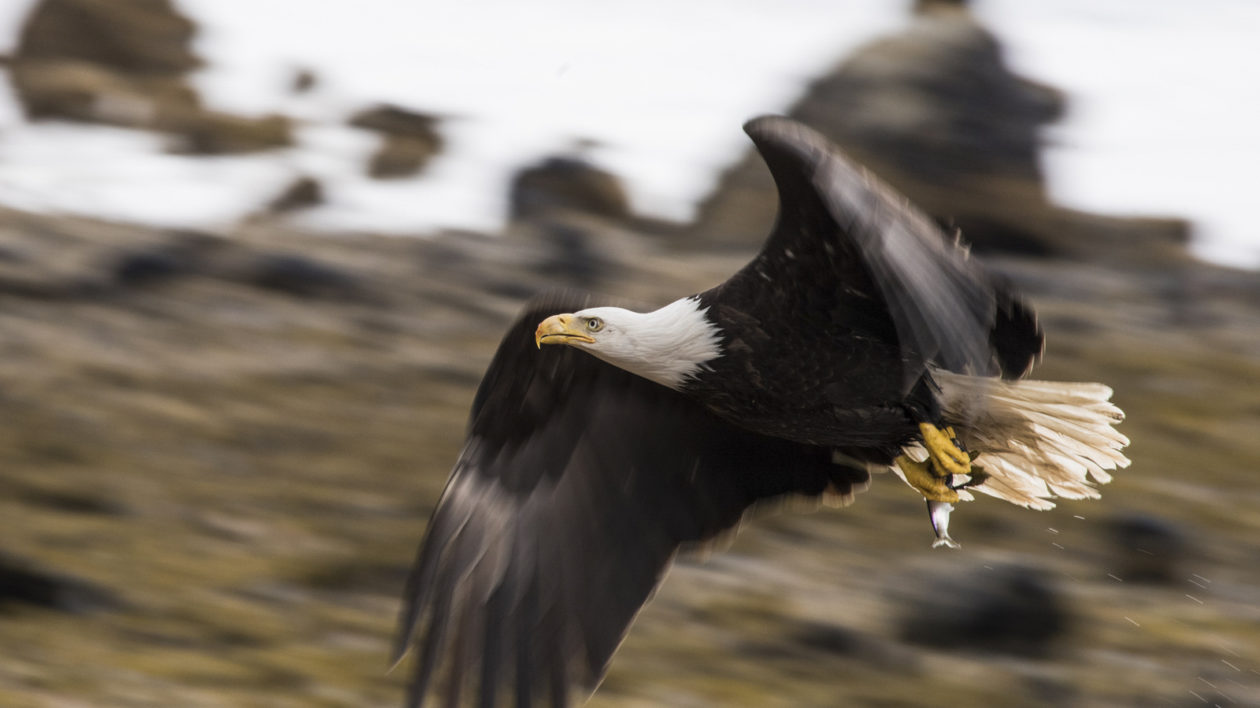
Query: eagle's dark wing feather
pixel 839 224
pixel 577 484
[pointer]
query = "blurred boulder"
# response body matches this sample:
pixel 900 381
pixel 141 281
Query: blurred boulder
pixel 1147 549
pixel 149 266
pixel 23 583
pixel 569 253
pixel 566 184
pixel 392 120
pixel 73 502
pixel 126 62
pixel 409 140
pixel 198 132
pixel 302 193
pixel 936 111
pixel 937 101
pixel 836 640
pixel 179 254
pixel 304 81
pixel 144 37
pixel 1010 609
pixel 357 576
pixel 399 157
pixel 79 91
pixel 300 276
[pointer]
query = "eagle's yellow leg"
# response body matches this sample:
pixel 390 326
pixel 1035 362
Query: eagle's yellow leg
pixel 945 459
pixel 943 450
pixel 922 477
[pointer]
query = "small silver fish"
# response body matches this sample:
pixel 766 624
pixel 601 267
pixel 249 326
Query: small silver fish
pixel 938 512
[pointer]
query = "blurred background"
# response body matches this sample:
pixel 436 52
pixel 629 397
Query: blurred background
pixel 255 256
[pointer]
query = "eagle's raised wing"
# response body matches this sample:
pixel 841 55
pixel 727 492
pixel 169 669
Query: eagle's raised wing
pixel 838 223
pixel 576 486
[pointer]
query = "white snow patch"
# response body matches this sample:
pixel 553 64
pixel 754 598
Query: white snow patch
pixel 1162 114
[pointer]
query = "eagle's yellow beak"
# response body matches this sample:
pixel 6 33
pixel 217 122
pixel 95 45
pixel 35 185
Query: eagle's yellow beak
pixel 561 329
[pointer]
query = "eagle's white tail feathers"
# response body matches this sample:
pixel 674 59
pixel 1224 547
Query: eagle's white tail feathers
pixel 1036 439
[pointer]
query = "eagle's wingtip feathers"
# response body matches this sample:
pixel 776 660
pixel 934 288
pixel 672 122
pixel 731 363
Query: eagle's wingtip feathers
pixel 765 123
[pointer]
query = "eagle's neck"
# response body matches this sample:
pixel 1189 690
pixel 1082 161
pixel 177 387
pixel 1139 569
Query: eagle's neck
pixel 669 346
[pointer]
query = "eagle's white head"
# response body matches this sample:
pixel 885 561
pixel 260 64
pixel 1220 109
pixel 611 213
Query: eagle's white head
pixel 668 346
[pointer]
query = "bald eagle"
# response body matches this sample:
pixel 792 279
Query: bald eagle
pixel 859 338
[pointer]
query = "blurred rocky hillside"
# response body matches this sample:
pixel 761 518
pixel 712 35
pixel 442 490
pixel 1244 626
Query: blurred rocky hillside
pixel 220 448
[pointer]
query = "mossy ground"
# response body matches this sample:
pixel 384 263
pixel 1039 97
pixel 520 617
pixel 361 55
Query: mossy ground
pixel 249 473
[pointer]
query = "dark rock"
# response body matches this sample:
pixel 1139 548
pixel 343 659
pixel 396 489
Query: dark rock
pixel 303 81
pixel 1009 609
pixel 410 140
pixel 126 62
pixel 72 502
pixel 400 156
pixel 569 255
pixel 359 577
pixel 103 60
pixel 842 641
pixel 829 638
pixel 78 91
pixel 302 277
pixel 512 289
pixel 147 267
pixel 102 270
pixel 804 642
pixel 22 583
pixel 303 193
pixel 943 103
pixel 10 253
pixel 1147 549
pixel 560 184
pixel 181 254
pixel 200 132
pixel 133 36
pixel 394 120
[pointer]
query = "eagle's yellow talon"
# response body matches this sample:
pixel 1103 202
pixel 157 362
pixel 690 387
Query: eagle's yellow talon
pixel 946 456
pixel 922 476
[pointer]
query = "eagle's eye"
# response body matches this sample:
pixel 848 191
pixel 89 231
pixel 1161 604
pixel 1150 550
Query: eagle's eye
pixel 594 324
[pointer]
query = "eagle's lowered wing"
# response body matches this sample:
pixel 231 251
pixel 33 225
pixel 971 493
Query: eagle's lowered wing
pixel 577 484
